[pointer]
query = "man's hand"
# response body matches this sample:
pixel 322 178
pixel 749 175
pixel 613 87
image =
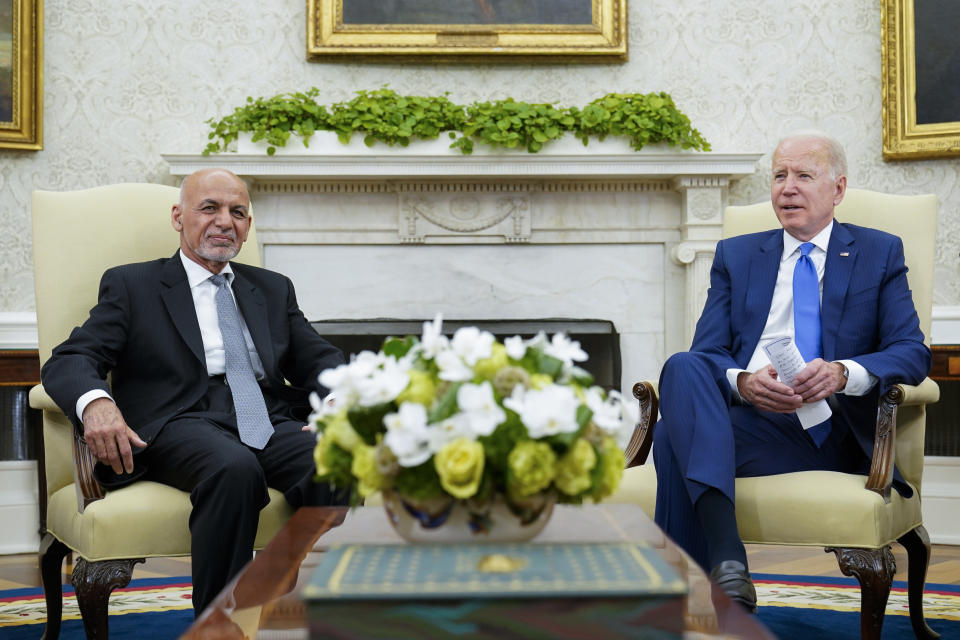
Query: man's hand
pixel 762 389
pixel 819 379
pixel 107 435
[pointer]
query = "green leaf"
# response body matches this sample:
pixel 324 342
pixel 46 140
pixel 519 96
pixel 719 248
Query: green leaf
pixel 368 421
pixel 398 347
pixel 446 406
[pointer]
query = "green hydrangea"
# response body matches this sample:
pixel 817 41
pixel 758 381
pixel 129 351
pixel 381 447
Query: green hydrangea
pixel 488 368
pixel 609 470
pixel 531 467
pixel 421 389
pixel 365 469
pixel 339 430
pixel 574 467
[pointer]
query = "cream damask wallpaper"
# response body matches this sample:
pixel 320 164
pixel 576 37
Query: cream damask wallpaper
pixel 127 80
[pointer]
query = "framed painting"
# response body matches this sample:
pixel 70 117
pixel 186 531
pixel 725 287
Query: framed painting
pixel 921 68
pixel 468 30
pixel 21 74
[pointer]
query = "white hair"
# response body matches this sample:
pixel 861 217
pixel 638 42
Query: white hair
pixel 838 158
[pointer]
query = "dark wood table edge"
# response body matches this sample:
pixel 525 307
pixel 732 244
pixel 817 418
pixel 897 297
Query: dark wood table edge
pixel 299 536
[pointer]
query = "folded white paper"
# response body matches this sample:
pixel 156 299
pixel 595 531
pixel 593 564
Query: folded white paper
pixel 786 359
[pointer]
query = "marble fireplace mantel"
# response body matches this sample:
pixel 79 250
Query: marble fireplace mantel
pixel 625 234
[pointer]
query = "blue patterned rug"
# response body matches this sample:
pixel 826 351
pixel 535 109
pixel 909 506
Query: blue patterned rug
pixel 798 608
pixel 792 607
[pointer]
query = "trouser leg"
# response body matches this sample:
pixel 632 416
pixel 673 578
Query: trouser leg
pixel 227 490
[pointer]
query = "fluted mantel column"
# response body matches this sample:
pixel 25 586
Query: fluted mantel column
pixel 701 220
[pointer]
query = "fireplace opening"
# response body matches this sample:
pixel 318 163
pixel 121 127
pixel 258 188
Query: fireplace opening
pixel 598 338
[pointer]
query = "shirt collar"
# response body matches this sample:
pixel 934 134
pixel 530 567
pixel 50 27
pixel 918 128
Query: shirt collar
pixel 821 240
pixel 198 274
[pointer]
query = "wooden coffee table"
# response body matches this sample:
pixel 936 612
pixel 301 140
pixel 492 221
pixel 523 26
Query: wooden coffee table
pixel 263 600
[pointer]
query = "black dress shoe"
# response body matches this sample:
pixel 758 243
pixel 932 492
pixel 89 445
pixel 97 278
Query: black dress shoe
pixel 732 578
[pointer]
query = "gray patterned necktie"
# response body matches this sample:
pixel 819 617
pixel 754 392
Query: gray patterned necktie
pixel 253 422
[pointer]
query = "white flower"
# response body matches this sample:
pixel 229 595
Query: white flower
pixel 547 411
pixel 433 340
pixel 516 347
pixel 369 379
pixel 407 434
pixel 482 412
pixel 563 348
pixel 607 413
pixel 630 418
pixel 447 430
pixel 452 367
pixel 472 345
pixel 613 415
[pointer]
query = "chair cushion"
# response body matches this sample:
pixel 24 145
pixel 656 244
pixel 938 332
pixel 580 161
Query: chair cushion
pixel 816 508
pixel 162 515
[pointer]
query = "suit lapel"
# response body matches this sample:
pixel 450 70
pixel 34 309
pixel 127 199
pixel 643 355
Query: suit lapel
pixel 841 257
pixel 253 307
pixel 179 303
pixel 761 281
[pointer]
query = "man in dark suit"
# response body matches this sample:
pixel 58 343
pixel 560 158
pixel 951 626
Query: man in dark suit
pixel 725 413
pixel 169 412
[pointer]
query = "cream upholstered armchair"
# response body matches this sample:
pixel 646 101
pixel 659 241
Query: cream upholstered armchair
pixel 857 517
pixel 76 236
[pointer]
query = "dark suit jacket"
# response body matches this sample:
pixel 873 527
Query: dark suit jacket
pixel 867 312
pixel 144 332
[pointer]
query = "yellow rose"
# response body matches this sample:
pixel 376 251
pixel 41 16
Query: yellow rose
pixel 573 469
pixel 531 467
pixel 365 469
pixel 487 368
pixel 340 432
pixel 421 389
pixel 460 467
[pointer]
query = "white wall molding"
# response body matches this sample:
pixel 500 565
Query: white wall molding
pixel 945 328
pixel 18 330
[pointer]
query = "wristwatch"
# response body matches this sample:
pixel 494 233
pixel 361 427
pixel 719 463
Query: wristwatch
pixel 846 374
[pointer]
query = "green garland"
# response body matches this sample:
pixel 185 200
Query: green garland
pixel 383 116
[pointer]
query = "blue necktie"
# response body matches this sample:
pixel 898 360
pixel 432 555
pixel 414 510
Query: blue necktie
pixel 806 320
pixel 253 422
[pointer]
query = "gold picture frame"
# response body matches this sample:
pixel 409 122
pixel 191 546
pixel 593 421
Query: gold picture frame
pixel 919 122
pixel 467 30
pixel 21 74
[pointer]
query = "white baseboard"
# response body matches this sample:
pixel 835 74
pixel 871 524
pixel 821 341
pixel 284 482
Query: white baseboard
pixel 941 498
pixel 19 510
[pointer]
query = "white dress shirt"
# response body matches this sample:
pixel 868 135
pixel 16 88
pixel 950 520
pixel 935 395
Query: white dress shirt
pixel 780 318
pixel 204 301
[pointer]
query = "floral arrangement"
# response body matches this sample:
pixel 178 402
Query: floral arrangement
pixel 437 420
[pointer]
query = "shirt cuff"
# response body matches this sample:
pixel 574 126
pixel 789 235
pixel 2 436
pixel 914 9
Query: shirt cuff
pixel 87 398
pixel 859 381
pixel 732 375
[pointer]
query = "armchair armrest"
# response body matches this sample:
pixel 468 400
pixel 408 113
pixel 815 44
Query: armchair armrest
pixel 927 392
pixel 642 439
pixel 880 479
pixel 88 489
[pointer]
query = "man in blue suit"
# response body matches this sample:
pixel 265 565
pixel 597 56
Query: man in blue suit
pixel 725 413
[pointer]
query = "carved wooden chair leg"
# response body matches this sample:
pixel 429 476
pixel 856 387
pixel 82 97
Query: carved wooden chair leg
pixel 917 544
pixel 93 583
pixel 52 553
pixel 874 570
